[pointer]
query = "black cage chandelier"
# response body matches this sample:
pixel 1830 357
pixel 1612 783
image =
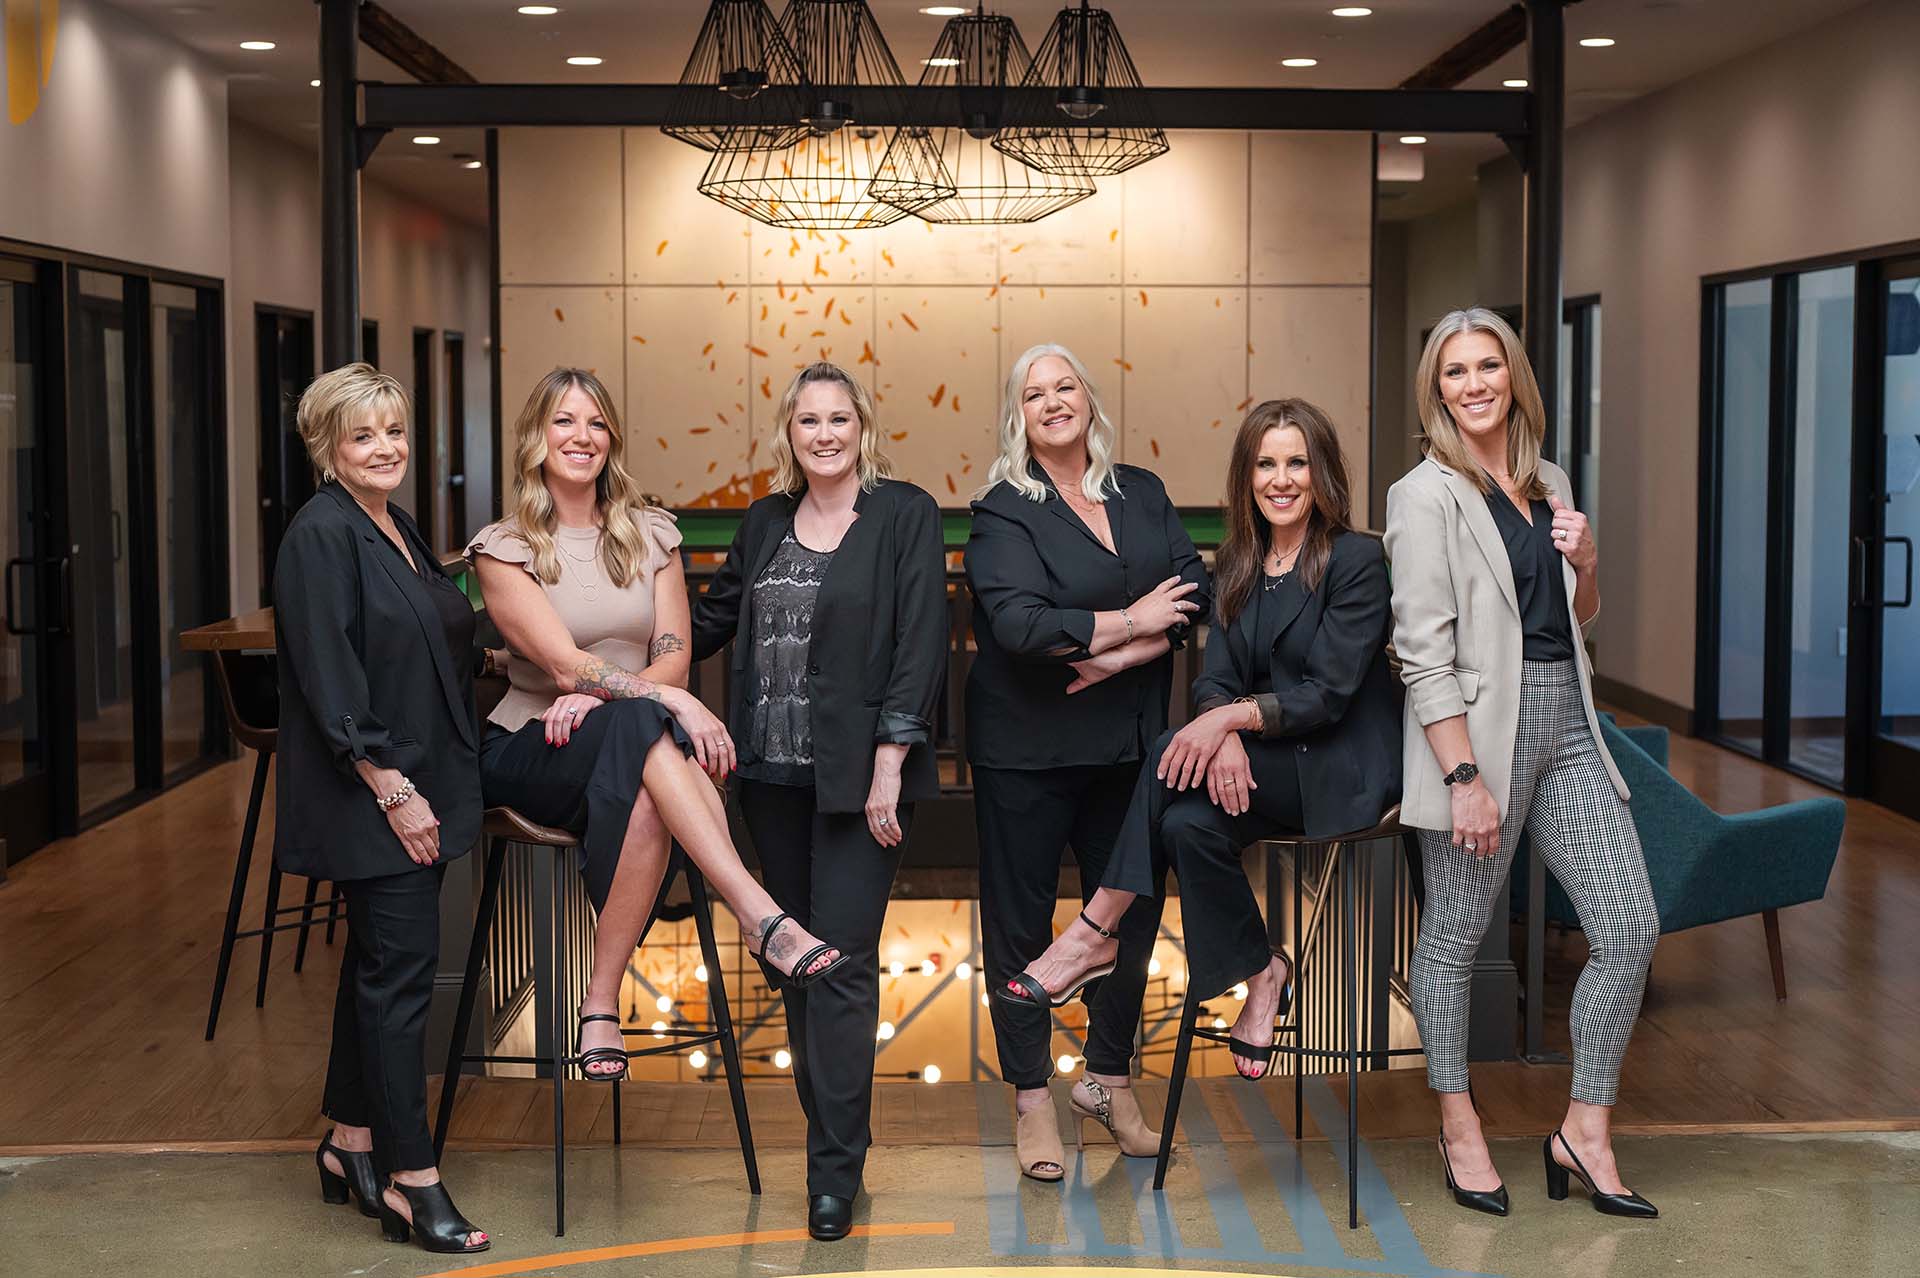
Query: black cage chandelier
pixel 824 180
pixel 981 56
pixel 738 57
pixel 1081 72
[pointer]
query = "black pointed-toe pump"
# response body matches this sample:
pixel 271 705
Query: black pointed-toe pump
pixel 1492 1201
pixel 1627 1204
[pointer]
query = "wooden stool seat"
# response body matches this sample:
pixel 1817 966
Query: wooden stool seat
pixel 505 823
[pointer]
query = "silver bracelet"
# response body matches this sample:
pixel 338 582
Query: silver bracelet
pixel 1129 620
pixel 398 797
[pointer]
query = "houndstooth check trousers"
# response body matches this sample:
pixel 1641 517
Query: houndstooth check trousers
pixel 1562 797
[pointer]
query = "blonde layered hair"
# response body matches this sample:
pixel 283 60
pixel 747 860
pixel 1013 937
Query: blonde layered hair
pixel 1012 462
pixel 1526 415
pixel 873 465
pixel 336 401
pixel 624 545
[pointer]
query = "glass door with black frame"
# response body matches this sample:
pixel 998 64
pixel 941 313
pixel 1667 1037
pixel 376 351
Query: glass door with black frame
pixel 283 357
pixel 1893 765
pixel 26 800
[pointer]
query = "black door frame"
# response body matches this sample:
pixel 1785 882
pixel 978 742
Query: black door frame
pixel 271 465
pixel 424 395
pixel 453 354
pixel 1578 311
pixel 1901 789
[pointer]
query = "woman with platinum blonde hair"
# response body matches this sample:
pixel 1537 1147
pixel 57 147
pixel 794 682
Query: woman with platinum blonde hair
pixel 834 597
pixel 1084 581
pixel 595 733
pixel 1494 575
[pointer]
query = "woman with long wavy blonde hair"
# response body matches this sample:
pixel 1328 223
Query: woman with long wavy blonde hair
pixel 595 732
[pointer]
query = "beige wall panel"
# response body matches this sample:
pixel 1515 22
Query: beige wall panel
pixel 1314 344
pixel 1084 320
pixel 938 378
pixel 541 328
pixel 1081 244
pixel 911 251
pixel 792 258
pixel 687 389
pixel 674 234
pixel 1186 384
pixel 1311 208
pixel 1186 213
pixel 570 240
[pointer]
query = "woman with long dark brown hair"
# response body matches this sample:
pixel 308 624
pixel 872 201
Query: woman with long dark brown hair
pixel 1297 730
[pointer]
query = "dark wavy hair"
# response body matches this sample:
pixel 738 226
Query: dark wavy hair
pixel 1237 563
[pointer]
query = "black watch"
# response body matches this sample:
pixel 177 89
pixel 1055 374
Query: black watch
pixel 1462 774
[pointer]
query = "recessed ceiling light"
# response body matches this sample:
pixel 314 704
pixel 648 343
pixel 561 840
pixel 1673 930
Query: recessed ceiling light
pixel 473 164
pixel 1352 11
pixel 425 139
pixel 539 10
pixel 1597 42
pixel 583 61
pixel 313 84
pixel 1414 139
pixel 1299 62
pixel 944 10
pixel 939 62
pixel 256 46
pixel 1514 84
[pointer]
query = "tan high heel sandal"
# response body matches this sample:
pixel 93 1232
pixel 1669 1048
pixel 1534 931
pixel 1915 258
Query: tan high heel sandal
pixel 1115 1109
pixel 1036 1140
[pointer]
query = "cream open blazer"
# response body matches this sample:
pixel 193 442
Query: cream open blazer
pixel 1456 628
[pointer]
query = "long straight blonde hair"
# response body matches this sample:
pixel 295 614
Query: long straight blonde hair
pixel 617 498
pixel 1011 463
pixel 872 463
pixel 1526 415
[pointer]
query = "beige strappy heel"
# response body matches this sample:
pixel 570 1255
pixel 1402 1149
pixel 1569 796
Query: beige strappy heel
pixel 1115 1109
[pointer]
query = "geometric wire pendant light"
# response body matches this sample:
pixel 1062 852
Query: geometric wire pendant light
pixel 739 56
pixel 1086 72
pixel 823 181
pixel 980 57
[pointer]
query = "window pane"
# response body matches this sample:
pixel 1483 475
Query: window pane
pixel 1746 320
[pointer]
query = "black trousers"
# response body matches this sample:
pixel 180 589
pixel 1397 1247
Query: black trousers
pixel 377 1073
pixel 826 870
pixel 1025 818
pixel 1226 939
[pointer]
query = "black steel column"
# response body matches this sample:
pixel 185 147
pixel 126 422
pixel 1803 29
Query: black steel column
pixel 1546 146
pixel 339 183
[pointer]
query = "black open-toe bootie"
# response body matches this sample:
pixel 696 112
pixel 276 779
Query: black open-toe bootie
pixel 437 1223
pixel 359 1179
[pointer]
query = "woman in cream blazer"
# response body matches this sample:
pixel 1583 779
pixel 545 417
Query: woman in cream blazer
pixel 1494 574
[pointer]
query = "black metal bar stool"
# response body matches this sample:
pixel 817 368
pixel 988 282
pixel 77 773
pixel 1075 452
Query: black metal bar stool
pixel 1339 850
pixel 255 727
pixel 504 826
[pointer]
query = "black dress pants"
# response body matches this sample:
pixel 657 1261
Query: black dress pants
pixel 377 1073
pixel 825 869
pixel 1226 939
pixel 1025 818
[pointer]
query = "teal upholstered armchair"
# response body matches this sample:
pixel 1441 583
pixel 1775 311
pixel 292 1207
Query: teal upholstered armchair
pixel 1706 868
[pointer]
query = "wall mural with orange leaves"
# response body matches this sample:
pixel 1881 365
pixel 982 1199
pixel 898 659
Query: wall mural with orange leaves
pixel 1234 269
pixel 31 30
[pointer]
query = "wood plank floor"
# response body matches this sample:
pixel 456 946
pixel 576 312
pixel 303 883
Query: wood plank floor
pixel 107 945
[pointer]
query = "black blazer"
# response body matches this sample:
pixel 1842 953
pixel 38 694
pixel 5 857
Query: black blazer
pixel 1038 575
pixel 1334 697
pixel 879 653
pixel 366 672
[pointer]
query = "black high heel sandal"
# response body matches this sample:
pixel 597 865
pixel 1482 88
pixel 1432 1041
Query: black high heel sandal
pixel 1034 994
pixel 1252 1054
pixel 599 1055
pixel 1627 1204
pixel 441 1227
pixel 800 977
pixel 358 1178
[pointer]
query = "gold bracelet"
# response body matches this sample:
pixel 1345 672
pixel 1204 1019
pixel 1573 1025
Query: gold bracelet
pixel 1259 716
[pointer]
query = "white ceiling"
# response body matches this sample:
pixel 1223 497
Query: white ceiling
pixel 1174 42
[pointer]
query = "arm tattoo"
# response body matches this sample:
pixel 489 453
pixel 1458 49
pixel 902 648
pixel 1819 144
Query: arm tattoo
pixel 603 679
pixel 665 644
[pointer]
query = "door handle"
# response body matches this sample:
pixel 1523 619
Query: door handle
pixel 13 565
pixel 117 529
pixel 66 597
pixel 1906 599
pixel 1857 572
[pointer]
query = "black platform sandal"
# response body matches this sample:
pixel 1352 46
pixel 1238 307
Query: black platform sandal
pixel 1025 991
pixel 800 977
pixel 1252 1053
pixel 439 1224
pixel 588 1056
pixel 358 1178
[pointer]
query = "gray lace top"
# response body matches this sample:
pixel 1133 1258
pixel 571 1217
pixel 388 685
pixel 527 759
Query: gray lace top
pixel 780 748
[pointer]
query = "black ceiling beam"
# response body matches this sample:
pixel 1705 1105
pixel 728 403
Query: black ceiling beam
pixel 1475 52
pixel 401 45
pixel 404 106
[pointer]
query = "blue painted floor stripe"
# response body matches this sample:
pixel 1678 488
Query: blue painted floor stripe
pixel 1378 1205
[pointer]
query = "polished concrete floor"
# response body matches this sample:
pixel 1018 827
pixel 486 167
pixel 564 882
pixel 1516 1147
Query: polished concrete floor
pixel 1751 1205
